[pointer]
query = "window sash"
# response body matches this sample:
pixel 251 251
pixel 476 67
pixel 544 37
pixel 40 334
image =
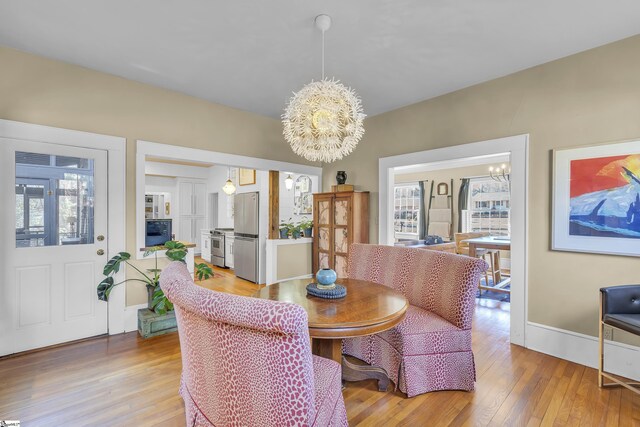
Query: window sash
pixel 489 207
pixel 407 204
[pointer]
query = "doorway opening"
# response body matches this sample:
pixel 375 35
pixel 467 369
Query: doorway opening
pixel 192 182
pixel 412 209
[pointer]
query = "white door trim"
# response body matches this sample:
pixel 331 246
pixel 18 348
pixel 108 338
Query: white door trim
pixel 517 147
pixel 147 148
pixel 116 159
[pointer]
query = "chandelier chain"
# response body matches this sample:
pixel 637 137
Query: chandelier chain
pixel 323 54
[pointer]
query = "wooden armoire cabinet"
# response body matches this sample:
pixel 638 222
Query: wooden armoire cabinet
pixel 339 219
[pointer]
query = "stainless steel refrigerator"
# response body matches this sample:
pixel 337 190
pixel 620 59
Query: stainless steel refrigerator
pixel 245 227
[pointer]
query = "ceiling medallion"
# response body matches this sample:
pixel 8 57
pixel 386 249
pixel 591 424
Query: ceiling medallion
pixel 324 120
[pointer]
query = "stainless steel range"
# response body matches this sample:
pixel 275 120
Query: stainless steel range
pixel 217 245
pixel 217 248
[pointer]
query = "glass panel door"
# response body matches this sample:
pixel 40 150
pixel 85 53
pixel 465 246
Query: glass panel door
pixel 341 266
pixel 54 200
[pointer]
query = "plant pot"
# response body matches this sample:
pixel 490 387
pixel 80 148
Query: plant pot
pixel 295 234
pixel 284 233
pixel 151 324
pixel 150 291
pixel 308 232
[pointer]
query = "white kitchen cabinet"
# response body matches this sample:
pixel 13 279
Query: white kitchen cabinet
pixel 192 195
pixel 205 245
pixel 191 211
pixel 185 229
pixel 228 251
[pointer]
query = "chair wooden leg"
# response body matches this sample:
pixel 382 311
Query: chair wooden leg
pixel 486 272
pixel 601 352
pixel 600 342
pixel 495 267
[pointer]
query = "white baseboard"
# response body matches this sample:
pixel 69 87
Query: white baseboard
pixel 620 359
pixel 131 317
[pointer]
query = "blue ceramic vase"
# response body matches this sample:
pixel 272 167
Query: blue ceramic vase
pixel 326 277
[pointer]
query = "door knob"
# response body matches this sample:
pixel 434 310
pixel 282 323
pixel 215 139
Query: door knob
pixel 100 238
pixel 100 252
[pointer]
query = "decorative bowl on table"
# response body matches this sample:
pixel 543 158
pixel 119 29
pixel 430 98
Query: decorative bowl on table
pixel 325 285
pixel 326 278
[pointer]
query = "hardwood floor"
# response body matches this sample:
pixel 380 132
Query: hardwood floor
pixel 123 380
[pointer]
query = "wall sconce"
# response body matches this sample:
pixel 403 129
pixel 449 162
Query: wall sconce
pixel 288 182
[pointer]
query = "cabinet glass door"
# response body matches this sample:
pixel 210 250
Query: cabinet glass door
pixel 341 236
pixel 341 212
pixel 341 265
pixel 324 233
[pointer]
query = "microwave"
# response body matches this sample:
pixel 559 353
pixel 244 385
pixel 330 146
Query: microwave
pixel 157 232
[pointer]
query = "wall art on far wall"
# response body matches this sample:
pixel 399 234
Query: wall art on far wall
pixel 246 176
pixel 596 199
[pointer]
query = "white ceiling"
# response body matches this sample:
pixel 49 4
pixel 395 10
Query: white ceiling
pixel 252 55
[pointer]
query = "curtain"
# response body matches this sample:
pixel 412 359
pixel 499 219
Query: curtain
pixel 423 212
pixel 463 200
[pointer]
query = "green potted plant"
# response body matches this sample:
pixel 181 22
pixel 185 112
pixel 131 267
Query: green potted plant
pixel 296 231
pixel 286 229
pixel 157 301
pixel 306 226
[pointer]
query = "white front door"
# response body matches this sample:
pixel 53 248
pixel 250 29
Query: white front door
pixel 53 243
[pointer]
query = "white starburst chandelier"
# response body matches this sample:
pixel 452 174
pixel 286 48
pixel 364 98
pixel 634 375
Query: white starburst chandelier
pixel 324 120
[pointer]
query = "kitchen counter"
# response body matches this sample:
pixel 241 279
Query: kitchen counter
pixel 189 259
pixel 187 245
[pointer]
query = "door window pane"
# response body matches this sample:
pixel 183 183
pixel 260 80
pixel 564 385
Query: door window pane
pixel 19 210
pixel 30 214
pixel 54 200
pixel 36 212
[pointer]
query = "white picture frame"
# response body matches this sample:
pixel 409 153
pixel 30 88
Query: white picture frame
pixel 593 221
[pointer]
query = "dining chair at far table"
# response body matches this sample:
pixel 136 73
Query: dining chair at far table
pixel 620 309
pixel 248 361
pixel 462 248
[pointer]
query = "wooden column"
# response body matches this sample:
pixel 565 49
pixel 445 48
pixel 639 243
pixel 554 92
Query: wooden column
pixel 274 204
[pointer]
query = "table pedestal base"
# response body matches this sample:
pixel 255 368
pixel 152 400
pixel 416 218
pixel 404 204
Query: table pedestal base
pixel 353 369
pixel 357 370
pixel 327 348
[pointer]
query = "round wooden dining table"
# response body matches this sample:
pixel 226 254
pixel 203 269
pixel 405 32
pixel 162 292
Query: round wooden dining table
pixel 368 308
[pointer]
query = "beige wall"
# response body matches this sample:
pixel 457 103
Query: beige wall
pixel 587 98
pixel 294 260
pixel 38 90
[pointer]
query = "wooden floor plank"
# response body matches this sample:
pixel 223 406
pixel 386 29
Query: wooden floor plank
pixel 125 380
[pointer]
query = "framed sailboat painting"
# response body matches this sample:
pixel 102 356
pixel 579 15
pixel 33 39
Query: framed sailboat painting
pixel 596 199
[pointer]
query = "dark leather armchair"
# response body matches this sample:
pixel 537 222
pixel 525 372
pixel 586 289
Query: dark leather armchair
pixel 620 309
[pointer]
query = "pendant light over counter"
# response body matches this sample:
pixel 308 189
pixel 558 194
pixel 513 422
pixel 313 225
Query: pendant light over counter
pixel 229 188
pixel 288 182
